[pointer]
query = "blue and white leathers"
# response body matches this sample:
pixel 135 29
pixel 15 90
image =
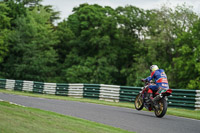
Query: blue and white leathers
pixel 160 78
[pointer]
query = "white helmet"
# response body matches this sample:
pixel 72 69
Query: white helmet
pixel 153 68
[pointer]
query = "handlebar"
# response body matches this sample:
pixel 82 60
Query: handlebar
pixel 146 81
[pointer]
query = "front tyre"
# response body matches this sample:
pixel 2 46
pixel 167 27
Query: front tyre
pixel 139 104
pixel 161 110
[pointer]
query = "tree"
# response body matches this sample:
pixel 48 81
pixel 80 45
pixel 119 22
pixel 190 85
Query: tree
pixel 95 30
pixel 106 35
pixel 54 14
pixel 19 8
pixel 65 35
pixel 159 45
pixel 187 63
pixel 4 31
pixel 32 56
pixel 131 22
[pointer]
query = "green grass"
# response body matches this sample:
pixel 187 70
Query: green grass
pixel 17 119
pixel 194 114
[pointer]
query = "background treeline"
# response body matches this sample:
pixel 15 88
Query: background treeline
pixel 98 44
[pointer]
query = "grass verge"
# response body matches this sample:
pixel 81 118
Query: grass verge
pixel 18 119
pixel 194 114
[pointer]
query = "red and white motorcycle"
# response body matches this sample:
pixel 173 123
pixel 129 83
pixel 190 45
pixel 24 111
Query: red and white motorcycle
pixel 159 104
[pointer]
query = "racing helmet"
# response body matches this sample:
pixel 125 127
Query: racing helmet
pixel 153 68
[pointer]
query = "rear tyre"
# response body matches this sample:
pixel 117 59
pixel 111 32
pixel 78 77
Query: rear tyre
pixel 139 104
pixel 162 108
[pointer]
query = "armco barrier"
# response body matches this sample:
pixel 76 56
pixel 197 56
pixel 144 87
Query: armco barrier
pixel 180 97
pixel 18 85
pixel 49 88
pixel 91 91
pixel 62 89
pixel 38 87
pixel 128 93
pixel 75 90
pixel 109 93
pixel 28 86
pixel 10 84
pixel 2 83
pixel 197 103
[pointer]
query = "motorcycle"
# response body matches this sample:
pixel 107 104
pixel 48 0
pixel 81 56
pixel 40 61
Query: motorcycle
pixel 159 102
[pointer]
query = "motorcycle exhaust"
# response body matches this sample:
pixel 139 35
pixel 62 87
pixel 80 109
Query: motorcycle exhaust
pixel 158 97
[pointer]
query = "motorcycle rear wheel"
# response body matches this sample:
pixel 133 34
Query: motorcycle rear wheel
pixel 162 108
pixel 139 103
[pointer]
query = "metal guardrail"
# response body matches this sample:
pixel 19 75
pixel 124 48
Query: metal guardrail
pixel 62 89
pixel 180 98
pixel 197 103
pixel 91 91
pixel 128 93
pixel 183 98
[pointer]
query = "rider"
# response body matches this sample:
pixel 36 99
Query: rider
pixel 160 79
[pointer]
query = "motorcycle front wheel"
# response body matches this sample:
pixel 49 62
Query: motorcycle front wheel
pixel 161 110
pixel 139 104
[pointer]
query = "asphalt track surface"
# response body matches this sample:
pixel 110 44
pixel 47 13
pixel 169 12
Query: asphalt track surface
pixel 124 118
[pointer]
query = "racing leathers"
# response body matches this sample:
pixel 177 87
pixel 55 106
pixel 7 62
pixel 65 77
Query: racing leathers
pixel 160 79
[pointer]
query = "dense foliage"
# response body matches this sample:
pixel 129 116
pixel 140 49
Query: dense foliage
pixel 99 44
